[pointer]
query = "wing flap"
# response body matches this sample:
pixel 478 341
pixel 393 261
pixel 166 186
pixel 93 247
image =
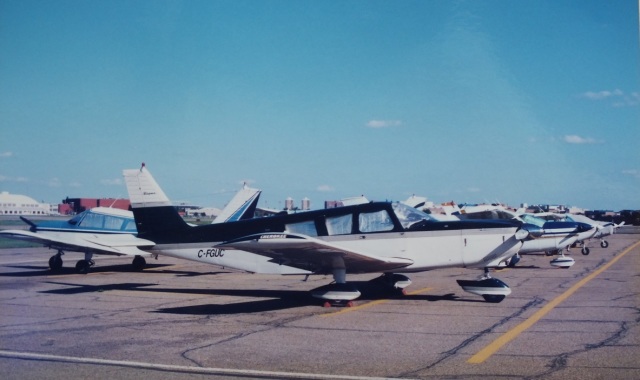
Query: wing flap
pixel 306 252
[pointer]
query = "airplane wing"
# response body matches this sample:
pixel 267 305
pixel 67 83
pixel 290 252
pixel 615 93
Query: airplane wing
pixel 306 252
pixel 105 244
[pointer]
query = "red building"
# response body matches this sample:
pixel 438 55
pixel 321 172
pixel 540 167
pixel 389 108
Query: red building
pixel 78 205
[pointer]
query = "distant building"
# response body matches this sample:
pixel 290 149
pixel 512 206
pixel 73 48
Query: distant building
pixel 71 206
pixel 306 204
pixel 332 204
pixel 15 204
pixel 288 204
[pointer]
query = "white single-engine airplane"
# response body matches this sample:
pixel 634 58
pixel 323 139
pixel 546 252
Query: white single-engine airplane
pixel 376 237
pixel 553 236
pixel 599 230
pixel 111 231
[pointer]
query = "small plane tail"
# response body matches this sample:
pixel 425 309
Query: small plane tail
pixel 242 206
pixel 152 209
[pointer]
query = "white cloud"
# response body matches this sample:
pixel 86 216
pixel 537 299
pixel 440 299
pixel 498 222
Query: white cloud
pixel 619 98
pixel 325 188
pixel 599 95
pixel 383 123
pixel 54 182
pixel 112 182
pixel 575 139
pixel 10 179
pixel 6 154
pixel 630 100
pixel 632 172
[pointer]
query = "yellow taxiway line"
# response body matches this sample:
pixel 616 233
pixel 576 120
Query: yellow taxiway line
pixel 507 337
pixel 372 303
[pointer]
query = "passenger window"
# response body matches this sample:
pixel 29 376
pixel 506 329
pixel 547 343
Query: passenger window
pixel 91 220
pixel 375 221
pixel 130 225
pixel 339 225
pixel 112 222
pixel 305 228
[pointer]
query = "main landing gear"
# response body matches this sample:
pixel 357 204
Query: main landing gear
pixel 491 289
pixel 138 263
pixel 55 261
pixel 340 293
pixel 83 266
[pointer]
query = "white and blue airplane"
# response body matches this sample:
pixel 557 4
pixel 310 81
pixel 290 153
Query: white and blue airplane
pixel 552 237
pixel 376 237
pixel 111 231
pixel 599 229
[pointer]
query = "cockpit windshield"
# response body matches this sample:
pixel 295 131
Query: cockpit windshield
pixel 409 216
pixel 535 220
pixel 76 219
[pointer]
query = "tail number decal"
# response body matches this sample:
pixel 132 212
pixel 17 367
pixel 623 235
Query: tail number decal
pixel 212 252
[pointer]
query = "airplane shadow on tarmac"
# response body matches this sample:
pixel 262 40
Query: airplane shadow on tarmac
pixel 40 270
pixel 272 299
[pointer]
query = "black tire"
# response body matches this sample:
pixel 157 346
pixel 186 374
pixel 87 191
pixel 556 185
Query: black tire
pixel 604 244
pixel 82 266
pixel 585 251
pixel 55 263
pixel 493 298
pixel 138 263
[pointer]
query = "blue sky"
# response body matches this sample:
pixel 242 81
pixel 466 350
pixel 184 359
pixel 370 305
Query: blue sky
pixel 510 101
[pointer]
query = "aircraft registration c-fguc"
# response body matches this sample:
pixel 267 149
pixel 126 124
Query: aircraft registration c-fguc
pixel 390 238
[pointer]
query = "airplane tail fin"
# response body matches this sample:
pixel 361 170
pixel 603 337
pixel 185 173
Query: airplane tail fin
pixel 152 209
pixel 242 206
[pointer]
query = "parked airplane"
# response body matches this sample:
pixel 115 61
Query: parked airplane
pixel 553 237
pixel 110 231
pixel 599 229
pixel 376 237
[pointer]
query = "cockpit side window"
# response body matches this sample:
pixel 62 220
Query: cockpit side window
pixel 375 221
pixel 305 228
pixel 339 225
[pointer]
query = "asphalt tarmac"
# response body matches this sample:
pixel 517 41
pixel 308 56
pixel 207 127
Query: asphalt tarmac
pixel 184 320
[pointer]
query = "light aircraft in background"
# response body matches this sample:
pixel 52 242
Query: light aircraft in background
pixel 599 230
pixel 553 236
pixel 374 237
pixel 111 231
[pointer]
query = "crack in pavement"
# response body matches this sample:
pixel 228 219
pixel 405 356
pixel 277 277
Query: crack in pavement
pixel 448 354
pixel 559 363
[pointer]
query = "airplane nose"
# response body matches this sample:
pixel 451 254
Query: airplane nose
pixel 529 231
pixel 584 227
